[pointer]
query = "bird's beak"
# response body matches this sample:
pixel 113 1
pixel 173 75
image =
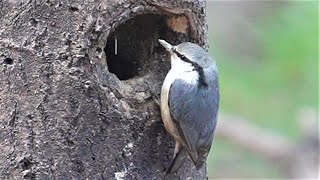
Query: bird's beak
pixel 165 44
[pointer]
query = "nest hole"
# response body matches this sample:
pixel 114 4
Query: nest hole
pixel 8 61
pixel 131 46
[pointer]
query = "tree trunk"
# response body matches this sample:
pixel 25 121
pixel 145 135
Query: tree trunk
pixel 79 87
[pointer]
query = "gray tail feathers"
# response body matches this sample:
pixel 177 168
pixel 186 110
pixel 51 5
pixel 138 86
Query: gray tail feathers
pixel 177 161
pixel 200 163
pixel 202 157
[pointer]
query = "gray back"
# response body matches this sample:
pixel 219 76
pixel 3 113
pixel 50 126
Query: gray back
pixel 195 110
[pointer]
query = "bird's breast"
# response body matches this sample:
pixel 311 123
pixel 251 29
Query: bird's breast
pixel 165 111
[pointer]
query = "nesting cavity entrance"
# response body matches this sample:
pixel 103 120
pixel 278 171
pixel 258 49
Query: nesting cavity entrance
pixel 131 46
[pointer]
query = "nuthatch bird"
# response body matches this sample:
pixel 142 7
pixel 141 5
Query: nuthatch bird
pixel 190 102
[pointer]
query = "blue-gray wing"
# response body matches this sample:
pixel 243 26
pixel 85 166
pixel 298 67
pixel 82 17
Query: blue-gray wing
pixel 194 110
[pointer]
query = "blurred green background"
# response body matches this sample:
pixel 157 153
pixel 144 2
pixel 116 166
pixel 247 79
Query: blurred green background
pixel 267 54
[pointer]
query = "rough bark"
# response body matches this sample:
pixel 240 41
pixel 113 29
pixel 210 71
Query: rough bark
pixel 63 114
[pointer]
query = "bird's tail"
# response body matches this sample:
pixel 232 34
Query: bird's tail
pixel 202 157
pixel 177 161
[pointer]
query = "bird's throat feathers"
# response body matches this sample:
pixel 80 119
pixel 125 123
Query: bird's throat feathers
pixel 186 70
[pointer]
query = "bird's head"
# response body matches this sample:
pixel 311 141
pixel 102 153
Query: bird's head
pixel 188 52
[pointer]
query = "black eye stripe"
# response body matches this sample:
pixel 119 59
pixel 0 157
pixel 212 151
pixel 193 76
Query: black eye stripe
pixel 197 67
pixel 183 57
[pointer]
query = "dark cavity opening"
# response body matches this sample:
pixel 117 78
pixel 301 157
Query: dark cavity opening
pixel 130 46
pixel 8 61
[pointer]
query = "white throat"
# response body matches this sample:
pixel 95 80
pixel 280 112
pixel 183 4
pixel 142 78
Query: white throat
pixel 183 70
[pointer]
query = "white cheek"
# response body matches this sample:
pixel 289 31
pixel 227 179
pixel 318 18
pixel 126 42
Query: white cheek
pixel 180 66
pixel 183 70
